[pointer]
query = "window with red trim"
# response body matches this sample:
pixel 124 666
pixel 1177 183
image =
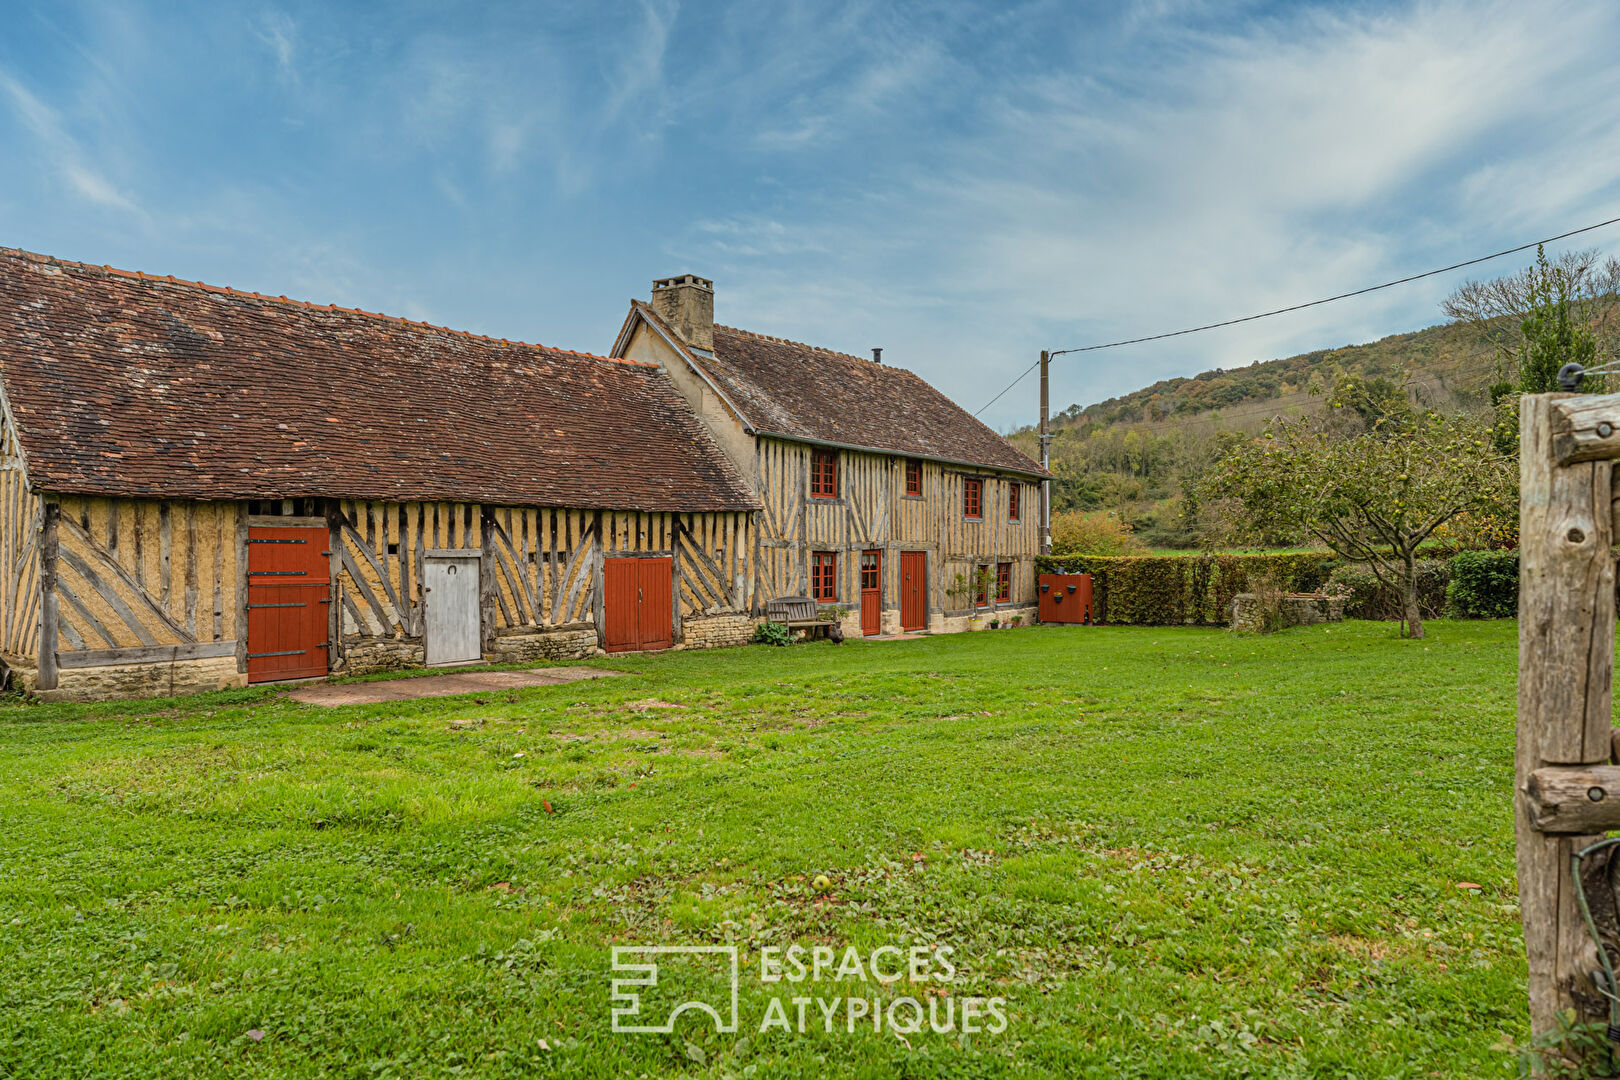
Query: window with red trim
pixel 913 476
pixel 981 576
pixel 1014 490
pixel 824 474
pixel 1004 581
pixel 973 498
pixel 824 577
pixel 869 571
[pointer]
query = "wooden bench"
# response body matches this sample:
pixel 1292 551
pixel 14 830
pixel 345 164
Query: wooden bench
pixel 798 613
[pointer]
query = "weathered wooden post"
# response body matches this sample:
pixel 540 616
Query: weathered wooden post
pixel 1566 792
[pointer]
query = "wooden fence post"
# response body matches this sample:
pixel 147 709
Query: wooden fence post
pixel 1566 650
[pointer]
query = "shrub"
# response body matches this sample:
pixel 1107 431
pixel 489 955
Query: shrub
pixel 1173 590
pixel 1484 585
pixel 1368 598
pixel 1268 593
pixel 772 633
pixel 1093 532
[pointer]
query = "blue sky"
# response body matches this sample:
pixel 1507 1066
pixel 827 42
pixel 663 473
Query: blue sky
pixel 959 183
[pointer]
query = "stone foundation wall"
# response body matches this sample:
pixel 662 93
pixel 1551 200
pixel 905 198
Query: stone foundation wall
pixel 543 645
pixel 940 623
pixel 1296 611
pixel 170 679
pixel 718 631
pixel 23 673
pixel 366 655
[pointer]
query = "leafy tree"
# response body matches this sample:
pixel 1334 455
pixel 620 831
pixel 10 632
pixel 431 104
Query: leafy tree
pixel 1549 314
pixel 1371 497
pixel 1380 403
pixel 1093 532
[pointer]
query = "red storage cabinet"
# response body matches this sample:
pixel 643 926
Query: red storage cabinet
pixel 1065 598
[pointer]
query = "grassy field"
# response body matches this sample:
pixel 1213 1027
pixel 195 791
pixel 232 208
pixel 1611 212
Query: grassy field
pixel 1172 853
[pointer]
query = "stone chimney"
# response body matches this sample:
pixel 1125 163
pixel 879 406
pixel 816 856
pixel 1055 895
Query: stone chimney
pixel 686 303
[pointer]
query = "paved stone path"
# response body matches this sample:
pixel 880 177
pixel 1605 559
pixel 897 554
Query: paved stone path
pixel 472 682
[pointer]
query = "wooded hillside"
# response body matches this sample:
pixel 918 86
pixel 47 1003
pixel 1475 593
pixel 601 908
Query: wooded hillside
pixel 1133 454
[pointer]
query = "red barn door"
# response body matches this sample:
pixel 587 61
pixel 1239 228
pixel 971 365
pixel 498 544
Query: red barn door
pixel 656 618
pixel 913 590
pixel 636 604
pixel 289 593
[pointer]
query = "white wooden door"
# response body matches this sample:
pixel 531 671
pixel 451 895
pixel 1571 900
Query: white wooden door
pixel 450 595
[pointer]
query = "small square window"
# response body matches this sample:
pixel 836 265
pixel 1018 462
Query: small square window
pixel 393 549
pixel 913 477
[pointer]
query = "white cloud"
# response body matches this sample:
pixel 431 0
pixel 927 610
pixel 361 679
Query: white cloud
pixel 61 151
pixel 279 33
pixel 1203 175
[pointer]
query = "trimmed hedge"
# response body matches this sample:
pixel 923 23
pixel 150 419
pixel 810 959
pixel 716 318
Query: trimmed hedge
pixel 1178 590
pixel 1484 585
pixel 1369 598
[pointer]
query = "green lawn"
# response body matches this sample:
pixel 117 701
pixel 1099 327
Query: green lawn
pixel 1174 852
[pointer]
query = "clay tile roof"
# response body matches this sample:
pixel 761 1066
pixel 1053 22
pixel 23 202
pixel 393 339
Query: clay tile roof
pixel 137 385
pixel 803 392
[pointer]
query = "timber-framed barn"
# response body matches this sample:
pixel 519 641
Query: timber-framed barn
pixel 201 488
pixel 880 496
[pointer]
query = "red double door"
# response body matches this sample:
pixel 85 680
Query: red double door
pixel 289 596
pixel 637 604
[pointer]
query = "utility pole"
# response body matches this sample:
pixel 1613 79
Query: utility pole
pixel 1046 456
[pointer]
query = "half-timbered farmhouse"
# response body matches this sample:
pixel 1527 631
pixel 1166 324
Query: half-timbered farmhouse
pixel 203 488
pixel 880 495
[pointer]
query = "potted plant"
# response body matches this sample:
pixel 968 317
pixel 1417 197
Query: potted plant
pixel 967 591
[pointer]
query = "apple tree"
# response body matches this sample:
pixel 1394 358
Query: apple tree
pixel 1372 496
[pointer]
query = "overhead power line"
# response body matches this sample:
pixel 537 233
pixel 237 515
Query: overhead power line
pixel 1299 307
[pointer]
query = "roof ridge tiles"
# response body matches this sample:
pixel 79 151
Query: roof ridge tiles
pixel 798 344
pixel 170 279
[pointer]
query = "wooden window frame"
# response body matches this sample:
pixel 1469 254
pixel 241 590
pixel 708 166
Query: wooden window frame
pixel 981 597
pixel 1015 501
pixel 973 508
pixel 1003 582
pixel 876 570
pixel 823 474
pixel 829 560
pixel 914 468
